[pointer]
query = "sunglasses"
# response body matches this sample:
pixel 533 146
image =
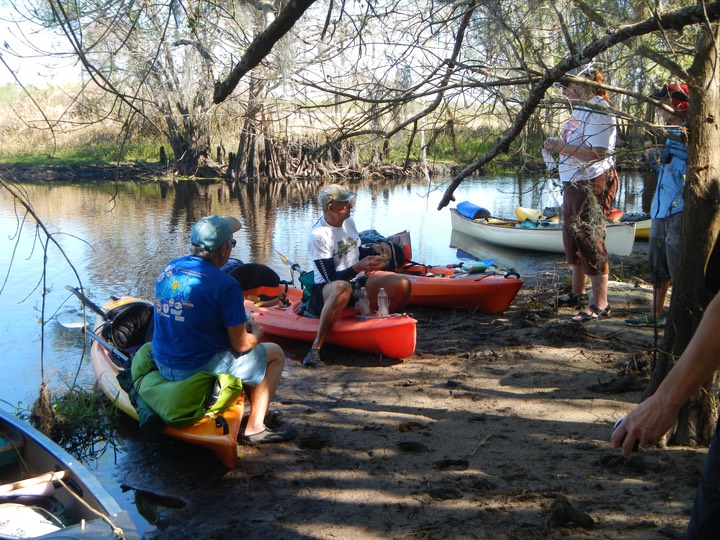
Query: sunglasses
pixel 233 242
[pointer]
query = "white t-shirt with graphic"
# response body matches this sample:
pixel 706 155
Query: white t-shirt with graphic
pixel 590 128
pixel 341 243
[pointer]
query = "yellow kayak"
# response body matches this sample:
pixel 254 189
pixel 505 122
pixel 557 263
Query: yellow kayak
pixel 533 214
pixel 218 433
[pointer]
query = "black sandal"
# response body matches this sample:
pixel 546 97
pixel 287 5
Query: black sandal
pixel 571 300
pixel 593 313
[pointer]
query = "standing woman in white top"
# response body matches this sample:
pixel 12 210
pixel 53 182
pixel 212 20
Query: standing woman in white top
pixel 587 170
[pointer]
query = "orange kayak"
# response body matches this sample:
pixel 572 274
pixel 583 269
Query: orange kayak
pixel 218 435
pixel 449 287
pixel 392 336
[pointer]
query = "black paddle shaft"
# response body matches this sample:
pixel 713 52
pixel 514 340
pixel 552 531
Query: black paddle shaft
pixel 86 301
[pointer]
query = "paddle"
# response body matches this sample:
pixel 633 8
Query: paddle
pixel 73 322
pixel 86 301
pixel 292 265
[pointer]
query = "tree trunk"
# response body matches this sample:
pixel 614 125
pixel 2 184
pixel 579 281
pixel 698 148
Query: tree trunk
pixel 190 143
pixel 701 222
pixel 259 151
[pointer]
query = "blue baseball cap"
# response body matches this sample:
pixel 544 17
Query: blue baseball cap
pixel 213 232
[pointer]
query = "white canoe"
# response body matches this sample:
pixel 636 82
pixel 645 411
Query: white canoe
pixel 37 477
pixel 619 237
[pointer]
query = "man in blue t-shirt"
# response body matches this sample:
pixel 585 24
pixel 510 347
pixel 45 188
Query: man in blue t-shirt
pixel 201 325
pixel 667 204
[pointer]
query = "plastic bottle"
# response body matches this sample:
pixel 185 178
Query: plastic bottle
pixel 383 303
pixel 475 268
pixel 363 302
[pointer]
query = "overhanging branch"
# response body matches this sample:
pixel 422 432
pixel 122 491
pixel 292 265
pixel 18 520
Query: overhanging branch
pixel 261 47
pixel 673 20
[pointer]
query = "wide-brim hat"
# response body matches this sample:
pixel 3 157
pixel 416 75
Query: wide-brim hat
pixel 213 232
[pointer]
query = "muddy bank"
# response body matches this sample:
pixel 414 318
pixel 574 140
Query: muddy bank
pixel 148 172
pixel 497 427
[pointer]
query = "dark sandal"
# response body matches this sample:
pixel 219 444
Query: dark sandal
pixel 570 300
pixel 312 358
pixel 592 313
pixel 585 315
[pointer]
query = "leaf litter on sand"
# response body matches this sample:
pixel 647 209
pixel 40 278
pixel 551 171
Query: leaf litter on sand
pixel 521 411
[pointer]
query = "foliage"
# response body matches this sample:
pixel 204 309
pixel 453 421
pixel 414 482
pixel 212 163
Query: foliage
pixel 95 153
pixel 85 423
pixel 428 67
pixel 635 271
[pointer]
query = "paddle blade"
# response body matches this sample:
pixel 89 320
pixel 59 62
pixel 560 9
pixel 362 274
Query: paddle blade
pixel 71 320
pixel 287 261
pixel 283 258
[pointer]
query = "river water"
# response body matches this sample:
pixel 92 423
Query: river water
pixel 115 238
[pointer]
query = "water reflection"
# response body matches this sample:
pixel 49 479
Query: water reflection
pixel 118 237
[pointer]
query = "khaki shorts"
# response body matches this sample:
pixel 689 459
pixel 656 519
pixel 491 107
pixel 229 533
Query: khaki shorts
pixel 664 246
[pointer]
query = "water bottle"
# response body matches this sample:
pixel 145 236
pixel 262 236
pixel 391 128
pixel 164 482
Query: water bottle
pixel 475 268
pixel 363 302
pixel 383 303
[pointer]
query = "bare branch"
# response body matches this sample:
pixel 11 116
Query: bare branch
pixel 261 47
pixel 676 20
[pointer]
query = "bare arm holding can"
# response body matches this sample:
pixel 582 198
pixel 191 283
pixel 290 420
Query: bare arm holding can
pixel 652 418
pixel 245 336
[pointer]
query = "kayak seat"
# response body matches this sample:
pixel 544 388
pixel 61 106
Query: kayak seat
pixel 129 327
pixel 254 275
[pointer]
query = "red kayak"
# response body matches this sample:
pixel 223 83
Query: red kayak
pixel 441 286
pixel 452 286
pixel 392 336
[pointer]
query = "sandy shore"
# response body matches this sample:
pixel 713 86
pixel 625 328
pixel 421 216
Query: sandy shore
pixel 497 427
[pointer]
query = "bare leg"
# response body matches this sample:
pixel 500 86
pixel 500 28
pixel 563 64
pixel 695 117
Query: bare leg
pixel 659 294
pixel 262 394
pixel 336 296
pixel 600 288
pixel 396 286
pixel 578 279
